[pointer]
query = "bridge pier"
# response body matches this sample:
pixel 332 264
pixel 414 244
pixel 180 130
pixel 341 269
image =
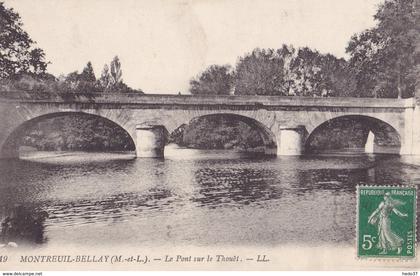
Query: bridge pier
pixel 150 141
pixel 415 132
pixel 410 136
pixel 370 143
pixel 290 141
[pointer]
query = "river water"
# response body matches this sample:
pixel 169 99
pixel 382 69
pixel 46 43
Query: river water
pixel 193 197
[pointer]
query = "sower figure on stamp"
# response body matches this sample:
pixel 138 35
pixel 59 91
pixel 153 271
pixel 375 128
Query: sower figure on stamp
pixel 387 239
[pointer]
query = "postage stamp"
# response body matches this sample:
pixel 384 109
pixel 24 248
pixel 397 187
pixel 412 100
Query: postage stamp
pixel 386 222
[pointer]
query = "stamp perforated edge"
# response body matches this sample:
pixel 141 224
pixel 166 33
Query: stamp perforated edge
pixel 386 258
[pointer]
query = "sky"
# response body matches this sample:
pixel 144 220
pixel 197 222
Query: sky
pixel 162 44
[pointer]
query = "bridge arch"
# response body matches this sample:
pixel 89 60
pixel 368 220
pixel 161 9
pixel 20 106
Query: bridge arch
pixel 267 136
pixel 354 132
pixel 9 148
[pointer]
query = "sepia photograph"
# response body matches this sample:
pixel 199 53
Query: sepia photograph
pixel 209 135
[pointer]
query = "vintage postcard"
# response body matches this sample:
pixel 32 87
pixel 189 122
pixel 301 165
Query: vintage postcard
pixel 209 135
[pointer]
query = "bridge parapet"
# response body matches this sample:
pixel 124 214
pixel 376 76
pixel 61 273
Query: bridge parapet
pixel 205 100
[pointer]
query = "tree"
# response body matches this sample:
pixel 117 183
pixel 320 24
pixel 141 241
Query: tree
pixel 111 79
pixel 306 68
pixel 105 79
pixel 260 73
pixel 338 78
pixel 116 72
pixel 215 80
pixel 385 58
pixel 287 54
pixel 84 82
pixel 315 74
pixel 290 71
pixel 17 52
pixel 87 73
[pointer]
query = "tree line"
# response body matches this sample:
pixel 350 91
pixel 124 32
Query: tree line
pixel 218 132
pixel 76 133
pixel 23 65
pixel 383 62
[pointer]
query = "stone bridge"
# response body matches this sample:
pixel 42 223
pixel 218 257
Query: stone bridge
pixel 285 123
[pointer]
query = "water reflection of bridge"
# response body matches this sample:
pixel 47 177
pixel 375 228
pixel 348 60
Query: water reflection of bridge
pixel 287 125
